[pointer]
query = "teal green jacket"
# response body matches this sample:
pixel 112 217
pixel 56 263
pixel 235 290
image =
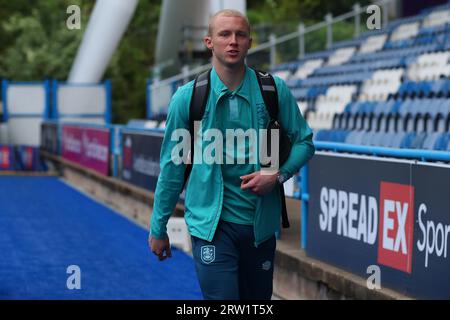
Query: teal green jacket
pixel 204 189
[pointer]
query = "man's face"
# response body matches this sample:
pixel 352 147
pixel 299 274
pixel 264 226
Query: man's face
pixel 229 40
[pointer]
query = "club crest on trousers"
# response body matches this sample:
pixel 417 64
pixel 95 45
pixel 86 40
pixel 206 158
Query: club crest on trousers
pixel 208 253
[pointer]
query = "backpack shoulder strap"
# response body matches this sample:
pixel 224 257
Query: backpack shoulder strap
pixel 269 92
pixel 270 95
pixel 199 98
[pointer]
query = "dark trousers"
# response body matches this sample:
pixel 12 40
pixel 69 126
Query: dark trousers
pixel 231 267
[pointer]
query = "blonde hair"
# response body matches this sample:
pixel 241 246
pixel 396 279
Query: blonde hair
pixel 227 13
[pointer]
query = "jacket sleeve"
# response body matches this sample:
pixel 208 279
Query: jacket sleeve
pixel 171 177
pixel 297 129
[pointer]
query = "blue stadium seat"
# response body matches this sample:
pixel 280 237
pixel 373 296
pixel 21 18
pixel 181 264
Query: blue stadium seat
pixel 367 121
pixel 341 121
pixel 433 107
pixel 439 88
pixel 338 135
pixel 446 142
pixel 351 107
pixel 446 86
pixel 408 123
pixel 336 121
pixel 314 92
pixel 420 121
pixel 418 140
pixel 351 121
pixel 432 141
pixel 388 139
pixel 442 142
pixel 405 107
pixel 322 135
pixel 406 89
pixel 440 123
pixel 359 121
pixel 408 140
pixel 365 137
pixel 397 139
pixel 374 123
pixel 373 138
pixel 444 107
pixel 393 105
pixel 418 106
pixel 368 107
pixel 383 120
pixel 300 93
pixel 354 137
pixel 294 83
pixel 424 88
pixel 429 122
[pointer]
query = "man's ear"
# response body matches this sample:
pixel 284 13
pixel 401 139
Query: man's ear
pixel 208 42
pixel 250 42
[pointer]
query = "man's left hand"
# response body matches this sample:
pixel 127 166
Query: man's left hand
pixel 259 183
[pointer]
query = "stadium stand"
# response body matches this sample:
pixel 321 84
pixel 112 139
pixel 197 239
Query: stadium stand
pixel 386 88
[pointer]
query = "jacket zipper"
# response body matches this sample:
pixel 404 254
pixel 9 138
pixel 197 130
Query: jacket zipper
pixel 219 207
pixel 255 125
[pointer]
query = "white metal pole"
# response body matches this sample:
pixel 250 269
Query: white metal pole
pixel 107 24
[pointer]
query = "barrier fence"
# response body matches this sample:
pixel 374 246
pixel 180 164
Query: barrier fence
pixel 362 211
pixel 21 158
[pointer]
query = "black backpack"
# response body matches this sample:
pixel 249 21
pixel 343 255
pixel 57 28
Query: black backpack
pixel 269 93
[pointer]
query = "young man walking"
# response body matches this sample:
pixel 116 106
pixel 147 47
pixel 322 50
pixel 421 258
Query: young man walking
pixel 232 208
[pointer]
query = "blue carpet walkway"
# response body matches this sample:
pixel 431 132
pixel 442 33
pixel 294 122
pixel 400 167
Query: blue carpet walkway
pixel 47 226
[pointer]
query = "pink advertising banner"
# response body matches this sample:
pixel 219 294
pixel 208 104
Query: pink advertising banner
pixel 88 147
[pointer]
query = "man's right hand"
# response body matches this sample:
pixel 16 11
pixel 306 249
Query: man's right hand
pixel 159 247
